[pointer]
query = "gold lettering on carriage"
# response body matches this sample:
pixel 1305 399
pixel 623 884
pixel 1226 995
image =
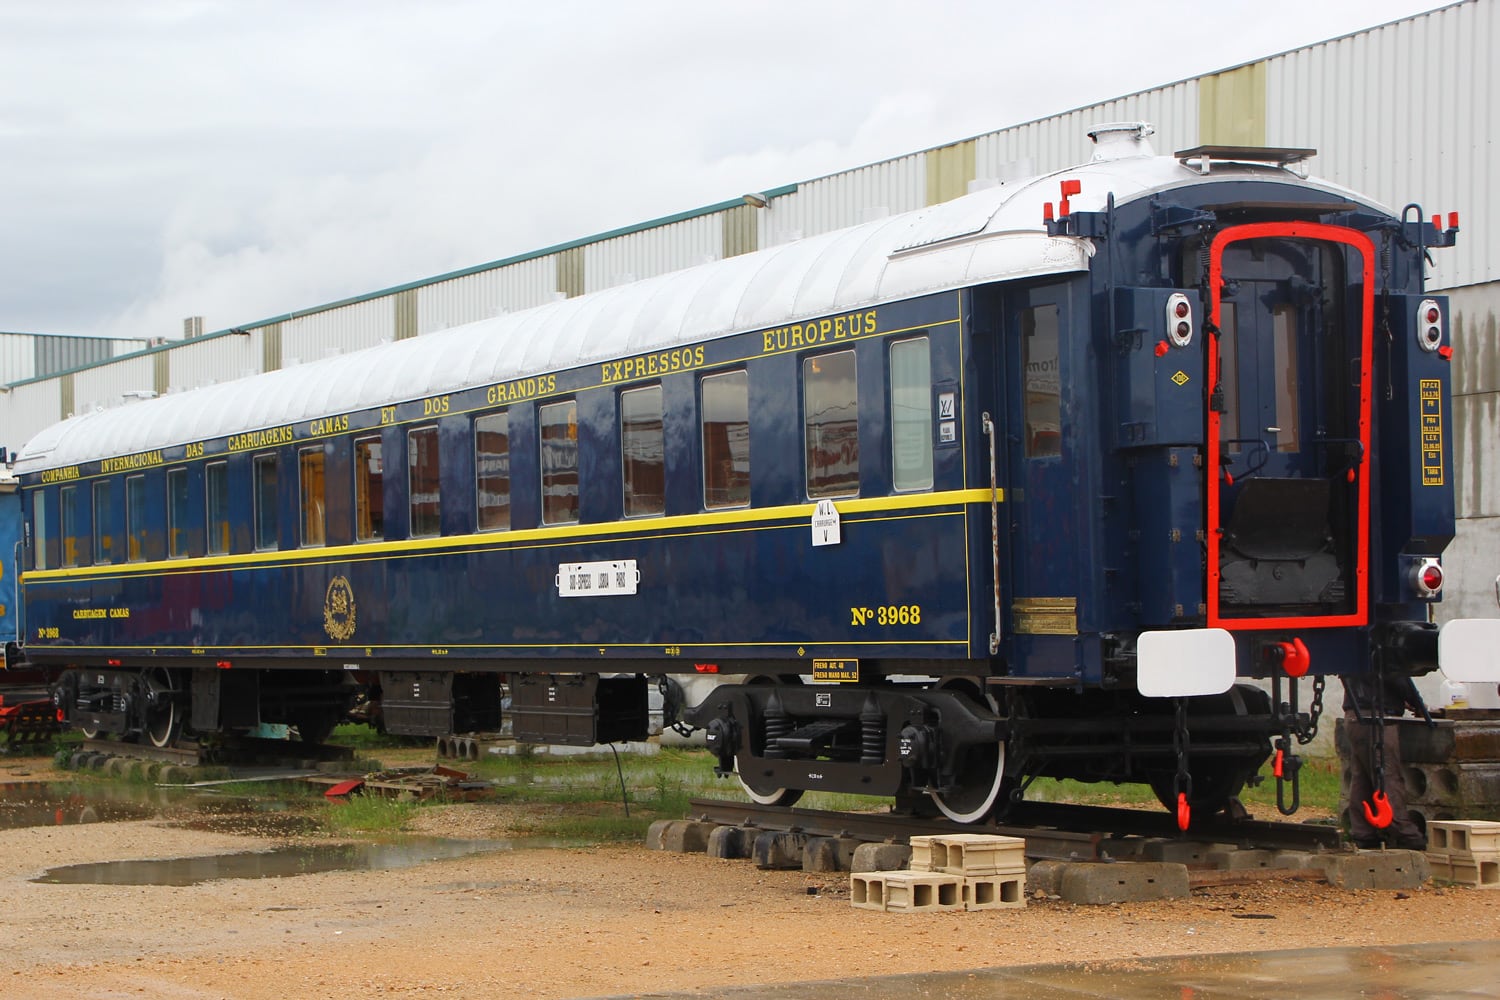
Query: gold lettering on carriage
pixel 526 388
pixel 267 438
pixel 647 365
pixel 60 475
pixel 818 332
pixel 125 463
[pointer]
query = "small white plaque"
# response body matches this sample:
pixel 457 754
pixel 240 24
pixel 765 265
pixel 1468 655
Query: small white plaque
pixel 947 432
pixel 946 406
pixel 825 524
pixel 597 579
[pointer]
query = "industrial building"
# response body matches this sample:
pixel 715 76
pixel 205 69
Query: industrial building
pixel 1404 111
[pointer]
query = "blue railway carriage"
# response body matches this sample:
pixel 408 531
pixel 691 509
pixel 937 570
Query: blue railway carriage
pixel 1028 483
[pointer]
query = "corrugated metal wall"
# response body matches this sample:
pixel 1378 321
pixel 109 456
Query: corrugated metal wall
pixel 104 385
pixel 846 199
pixel 1406 112
pixel 484 294
pixel 650 252
pixel 211 360
pixel 27 409
pixel 337 331
pixel 28 355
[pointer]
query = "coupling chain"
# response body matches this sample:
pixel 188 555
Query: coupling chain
pixel 1306 734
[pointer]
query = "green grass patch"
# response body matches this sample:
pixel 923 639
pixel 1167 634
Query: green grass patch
pixel 368 814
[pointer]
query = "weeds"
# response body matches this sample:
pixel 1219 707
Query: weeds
pixel 369 814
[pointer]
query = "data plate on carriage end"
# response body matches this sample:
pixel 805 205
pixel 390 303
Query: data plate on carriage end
pixel 836 671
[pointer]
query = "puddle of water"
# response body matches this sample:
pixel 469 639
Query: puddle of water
pixel 279 863
pixel 60 804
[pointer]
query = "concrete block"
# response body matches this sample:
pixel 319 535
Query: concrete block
pixel 1231 860
pixel 731 842
pixel 1124 882
pixel 686 836
pixel 881 858
pixel 969 854
pixel 778 850
pixel 829 854
pixel 655 831
pixel 994 892
pixel 1463 837
pixel 1046 876
pixel 1378 870
pixel 1181 852
pixel 1294 859
pixel 907 891
pixel 1476 873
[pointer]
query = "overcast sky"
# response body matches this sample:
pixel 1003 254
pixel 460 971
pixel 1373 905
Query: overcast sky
pixel 240 160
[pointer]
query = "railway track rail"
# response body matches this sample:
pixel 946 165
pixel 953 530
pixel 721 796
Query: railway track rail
pixel 1052 831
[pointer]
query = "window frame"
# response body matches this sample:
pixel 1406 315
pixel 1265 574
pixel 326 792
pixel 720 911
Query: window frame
pixel 67 520
pixel 179 543
pixel 480 479
pixel 102 554
pixel 807 382
pixel 435 518
pixel 305 524
pixel 366 485
pixel 135 515
pixel 899 428
pixel 729 486
pixel 627 494
pixel 210 520
pixel 259 521
pixel 547 476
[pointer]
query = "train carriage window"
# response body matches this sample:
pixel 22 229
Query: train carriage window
pixel 369 490
pixel 1039 346
pixel 1229 379
pixel 310 482
pixel 492 471
pixel 39 529
pixel 643 448
pixel 1284 342
pixel 267 535
pixel 135 518
pixel 830 414
pixel 103 540
pixel 68 502
pixel 911 415
pixel 559 425
pixel 423 482
pixel 726 440
pixel 216 490
pixel 177 513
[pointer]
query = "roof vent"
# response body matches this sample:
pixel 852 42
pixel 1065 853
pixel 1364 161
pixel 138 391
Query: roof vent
pixel 1119 140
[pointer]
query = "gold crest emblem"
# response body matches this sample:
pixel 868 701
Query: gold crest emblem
pixel 338 610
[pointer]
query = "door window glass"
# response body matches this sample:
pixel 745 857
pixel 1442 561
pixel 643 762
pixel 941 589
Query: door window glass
pixel 830 415
pixel 643 449
pixel 369 490
pixel 492 470
pixel 177 512
pixel 560 462
pixel 68 497
pixel 216 490
pixel 911 415
pixel 1042 380
pixel 726 440
pixel 266 533
pixel 423 480
pixel 1284 340
pixel 102 514
pixel 310 478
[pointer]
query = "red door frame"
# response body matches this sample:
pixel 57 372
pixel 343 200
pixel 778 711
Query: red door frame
pixel 1328 234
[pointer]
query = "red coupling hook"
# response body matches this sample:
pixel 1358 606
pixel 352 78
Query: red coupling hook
pixel 1380 817
pixel 1295 659
pixel 1184 812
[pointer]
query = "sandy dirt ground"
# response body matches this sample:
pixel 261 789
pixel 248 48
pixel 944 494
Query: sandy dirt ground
pixel 585 923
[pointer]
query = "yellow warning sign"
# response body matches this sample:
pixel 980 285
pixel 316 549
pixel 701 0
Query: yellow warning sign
pixel 1430 390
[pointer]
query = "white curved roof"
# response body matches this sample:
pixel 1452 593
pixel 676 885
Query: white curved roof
pixel 989 235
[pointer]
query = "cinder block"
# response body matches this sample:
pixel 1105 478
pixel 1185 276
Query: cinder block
pixel 829 854
pixel 1476 873
pixel 731 842
pixel 1123 882
pixel 969 854
pixel 881 858
pixel 778 850
pixel 922 892
pixel 1463 837
pixel 994 892
pixel 1378 870
pixel 867 890
pixel 921 854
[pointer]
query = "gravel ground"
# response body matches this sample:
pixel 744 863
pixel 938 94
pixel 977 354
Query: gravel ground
pixel 578 923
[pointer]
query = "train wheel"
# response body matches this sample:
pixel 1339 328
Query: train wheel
pixel 761 792
pixel 93 733
pixel 981 776
pixel 164 721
